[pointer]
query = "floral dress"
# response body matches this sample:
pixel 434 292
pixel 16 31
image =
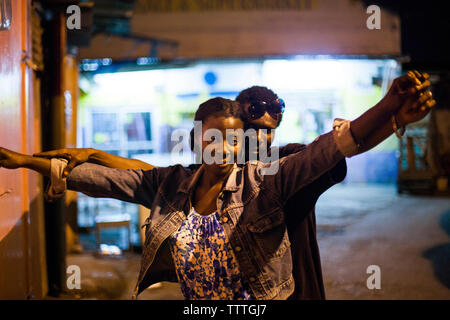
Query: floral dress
pixel 204 261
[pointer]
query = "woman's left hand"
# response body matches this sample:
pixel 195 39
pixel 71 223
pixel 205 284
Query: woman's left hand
pixel 75 156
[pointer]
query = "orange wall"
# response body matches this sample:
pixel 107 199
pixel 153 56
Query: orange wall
pixel 22 252
pixel 70 93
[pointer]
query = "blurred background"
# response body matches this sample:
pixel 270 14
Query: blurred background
pixel 134 71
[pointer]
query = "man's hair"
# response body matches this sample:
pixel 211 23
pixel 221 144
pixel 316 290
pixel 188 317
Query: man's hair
pixel 257 93
pixel 216 107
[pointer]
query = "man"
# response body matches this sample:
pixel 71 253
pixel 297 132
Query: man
pixel 300 209
pixel 264 110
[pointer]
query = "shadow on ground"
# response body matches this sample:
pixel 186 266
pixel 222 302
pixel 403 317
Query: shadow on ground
pixel 440 255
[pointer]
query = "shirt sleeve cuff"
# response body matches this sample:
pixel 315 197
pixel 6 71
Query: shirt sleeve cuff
pixel 57 185
pixel 343 137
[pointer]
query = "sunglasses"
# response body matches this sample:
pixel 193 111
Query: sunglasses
pixel 258 108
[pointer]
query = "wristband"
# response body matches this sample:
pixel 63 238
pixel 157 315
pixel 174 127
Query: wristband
pixel 395 127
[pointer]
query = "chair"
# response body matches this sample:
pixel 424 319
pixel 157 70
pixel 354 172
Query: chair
pixel 105 221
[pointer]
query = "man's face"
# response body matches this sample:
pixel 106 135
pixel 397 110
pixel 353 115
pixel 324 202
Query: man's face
pixel 264 122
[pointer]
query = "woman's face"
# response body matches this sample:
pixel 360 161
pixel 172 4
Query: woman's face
pixel 228 146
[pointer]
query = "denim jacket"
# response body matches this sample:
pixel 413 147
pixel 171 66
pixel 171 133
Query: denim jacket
pixel 250 207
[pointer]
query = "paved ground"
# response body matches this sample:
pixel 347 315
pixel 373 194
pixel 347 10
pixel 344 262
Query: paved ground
pixel 407 237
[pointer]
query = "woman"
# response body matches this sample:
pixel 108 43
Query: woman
pixel 219 230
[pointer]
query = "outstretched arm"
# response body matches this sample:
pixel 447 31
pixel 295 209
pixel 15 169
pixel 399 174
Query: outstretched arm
pixel 109 160
pixel 404 100
pixel 137 186
pixel 403 117
pixel 77 156
pixel 408 99
pixel 13 160
pixel 132 185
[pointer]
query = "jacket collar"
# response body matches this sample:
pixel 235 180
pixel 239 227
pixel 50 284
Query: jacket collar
pixel 233 182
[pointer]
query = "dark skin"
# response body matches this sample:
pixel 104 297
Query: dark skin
pixel 410 90
pixel 214 176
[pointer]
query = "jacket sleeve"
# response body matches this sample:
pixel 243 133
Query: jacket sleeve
pixel 132 185
pixel 300 169
pixel 324 182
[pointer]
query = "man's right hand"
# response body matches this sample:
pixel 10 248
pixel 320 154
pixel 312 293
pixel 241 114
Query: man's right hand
pixel 415 109
pixel 411 85
pixel 74 156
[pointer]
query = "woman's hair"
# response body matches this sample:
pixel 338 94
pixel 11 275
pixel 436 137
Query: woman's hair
pixel 216 107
